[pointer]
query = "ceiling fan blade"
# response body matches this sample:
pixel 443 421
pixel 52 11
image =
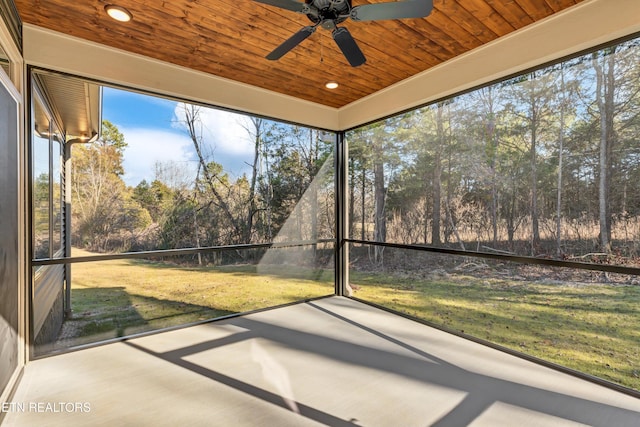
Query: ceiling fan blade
pixel 290 43
pixel 348 46
pixel 392 10
pixel 293 5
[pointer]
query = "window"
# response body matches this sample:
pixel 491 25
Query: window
pixel 47 184
pixel 4 62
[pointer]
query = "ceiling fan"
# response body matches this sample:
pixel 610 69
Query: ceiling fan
pixel 329 13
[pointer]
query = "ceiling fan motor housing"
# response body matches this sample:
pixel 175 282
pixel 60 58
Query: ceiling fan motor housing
pixel 328 13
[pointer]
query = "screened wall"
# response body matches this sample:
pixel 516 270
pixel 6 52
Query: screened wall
pixel 507 213
pixel 10 294
pixel 176 213
pixel 510 212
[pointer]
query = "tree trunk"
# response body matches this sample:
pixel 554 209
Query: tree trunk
pixel 257 134
pixel 560 160
pixel 605 86
pixel 492 153
pixel 535 229
pixel 352 196
pixel 313 190
pixel 437 178
pixel 268 197
pixel 362 206
pixel 425 221
pixel 196 229
pixel 380 221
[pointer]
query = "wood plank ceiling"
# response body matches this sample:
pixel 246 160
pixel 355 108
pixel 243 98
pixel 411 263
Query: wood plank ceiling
pixel 230 39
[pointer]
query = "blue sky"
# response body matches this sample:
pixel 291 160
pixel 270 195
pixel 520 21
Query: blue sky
pixel 130 109
pixel 154 135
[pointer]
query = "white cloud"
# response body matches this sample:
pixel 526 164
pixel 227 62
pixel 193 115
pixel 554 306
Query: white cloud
pixel 225 132
pixel 146 147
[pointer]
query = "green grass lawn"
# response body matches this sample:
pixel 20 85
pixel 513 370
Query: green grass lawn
pixel 589 327
pixel 121 297
pixel 592 328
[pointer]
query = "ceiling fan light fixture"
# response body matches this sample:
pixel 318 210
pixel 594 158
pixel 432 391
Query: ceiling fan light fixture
pixel 331 85
pixel 118 13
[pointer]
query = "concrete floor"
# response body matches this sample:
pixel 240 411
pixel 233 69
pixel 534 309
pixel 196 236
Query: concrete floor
pixel 333 361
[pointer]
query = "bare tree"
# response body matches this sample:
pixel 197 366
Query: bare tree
pixel 605 92
pixel 210 177
pixel 561 131
pixel 255 129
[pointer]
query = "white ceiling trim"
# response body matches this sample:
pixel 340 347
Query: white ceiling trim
pixel 56 51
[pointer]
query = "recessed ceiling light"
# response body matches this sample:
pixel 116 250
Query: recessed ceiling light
pixel 118 13
pixel 331 85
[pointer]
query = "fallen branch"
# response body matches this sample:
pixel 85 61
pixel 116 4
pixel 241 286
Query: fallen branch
pixel 593 254
pixel 498 250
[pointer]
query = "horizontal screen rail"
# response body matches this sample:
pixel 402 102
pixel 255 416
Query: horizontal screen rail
pixel 503 257
pixel 175 252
